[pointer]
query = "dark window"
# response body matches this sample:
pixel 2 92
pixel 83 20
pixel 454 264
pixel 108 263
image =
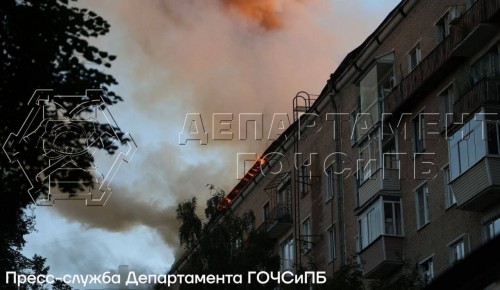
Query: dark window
pixel 422 205
pixel 418 134
pixel 414 57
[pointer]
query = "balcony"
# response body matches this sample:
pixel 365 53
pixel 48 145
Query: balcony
pixel 382 257
pixel 382 180
pixel 485 92
pixel 478 187
pixel 470 32
pixel 279 221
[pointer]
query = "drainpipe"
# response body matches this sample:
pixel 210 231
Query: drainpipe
pixel 338 181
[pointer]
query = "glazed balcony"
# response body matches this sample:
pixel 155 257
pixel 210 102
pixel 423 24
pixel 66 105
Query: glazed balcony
pixel 383 180
pixel 473 29
pixel 382 257
pixel 479 186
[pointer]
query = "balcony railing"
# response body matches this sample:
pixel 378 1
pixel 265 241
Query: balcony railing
pixel 441 59
pixel 382 257
pixel 484 92
pixel 279 221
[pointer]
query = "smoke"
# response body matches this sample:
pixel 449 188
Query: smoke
pixel 151 200
pixel 265 12
pixel 226 56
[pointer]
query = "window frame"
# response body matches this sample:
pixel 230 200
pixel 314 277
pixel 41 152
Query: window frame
pixel 449 195
pixel 266 211
pixel 417 49
pixel 423 273
pixel 365 103
pixel 491 58
pixel 460 161
pixel 287 250
pixel 329 183
pixel 424 189
pixel 418 125
pixel 371 226
pixel 496 223
pixel 372 145
pixel 453 246
pixel 331 244
pixel 446 103
pixel 306 238
pixel 443 26
pixel 303 180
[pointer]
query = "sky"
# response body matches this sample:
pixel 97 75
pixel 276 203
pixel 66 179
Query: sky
pixel 192 56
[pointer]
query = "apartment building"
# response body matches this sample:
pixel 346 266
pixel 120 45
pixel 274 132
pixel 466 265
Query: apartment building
pixel 397 159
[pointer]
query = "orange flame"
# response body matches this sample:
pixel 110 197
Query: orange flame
pixel 264 11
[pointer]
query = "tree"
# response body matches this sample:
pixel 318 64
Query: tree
pixel 223 243
pixel 36 266
pixel 44 45
pixel 60 285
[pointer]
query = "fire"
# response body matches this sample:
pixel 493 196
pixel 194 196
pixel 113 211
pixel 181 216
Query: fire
pixel 256 168
pixel 266 12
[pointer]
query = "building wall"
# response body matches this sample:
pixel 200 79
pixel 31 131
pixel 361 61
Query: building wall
pixel 446 224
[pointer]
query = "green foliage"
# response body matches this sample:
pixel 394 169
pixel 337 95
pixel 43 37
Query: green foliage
pixel 44 45
pixel 190 229
pixel 223 243
pixel 60 285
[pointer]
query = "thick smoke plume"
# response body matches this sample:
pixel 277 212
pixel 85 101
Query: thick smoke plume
pixel 226 56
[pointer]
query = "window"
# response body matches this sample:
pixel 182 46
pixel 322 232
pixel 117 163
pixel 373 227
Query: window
pixel 419 133
pixel 422 203
pixel 382 218
pixel 375 86
pixel 443 27
pixel 388 151
pixel 448 97
pixel 493 229
pixel 414 57
pixel 492 129
pixel 304 180
pixel 306 239
pixel 284 203
pixel 392 217
pixel 487 66
pixel 331 243
pixel 370 225
pixel 354 131
pixel 467 146
pixel 369 158
pixel 457 250
pixel 427 270
pixel 287 254
pixel 265 210
pixel 329 183
pixel 449 196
